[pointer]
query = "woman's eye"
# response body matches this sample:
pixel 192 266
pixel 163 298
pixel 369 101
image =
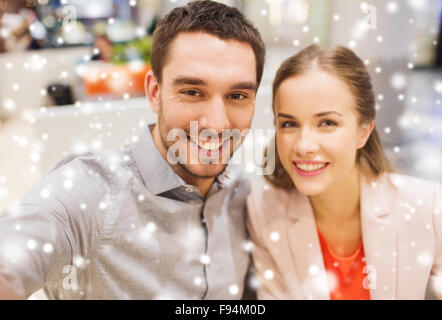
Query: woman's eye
pixel 288 124
pixel 328 123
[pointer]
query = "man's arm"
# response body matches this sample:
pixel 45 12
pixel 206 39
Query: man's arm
pixel 43 234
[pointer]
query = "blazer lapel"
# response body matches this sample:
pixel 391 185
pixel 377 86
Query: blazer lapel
pixel 306 250
pixel 379 239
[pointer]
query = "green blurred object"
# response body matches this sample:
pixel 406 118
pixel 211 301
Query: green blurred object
pixel 133 50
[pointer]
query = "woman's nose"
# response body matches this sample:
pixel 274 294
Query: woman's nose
pixel 306 143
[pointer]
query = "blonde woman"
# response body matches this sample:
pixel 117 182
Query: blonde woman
pixel 334 221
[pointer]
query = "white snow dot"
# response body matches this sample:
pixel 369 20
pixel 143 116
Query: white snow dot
pixel 424 259
pixel 45 193
pixel 205 259
pixel 269 274
pixel 392 7
pixel 248 246
pixel 79 261
pixel 398 81
pixel 83 206
pixel 250 167
pixel 140 198
pixel 31 244
pixel 151 227
pixel 274 236
pixel 68 184
pixel 198 281
pixel 102 205
pixel 314 270
pixel 352 44
pixel 48 248
pixel 233 289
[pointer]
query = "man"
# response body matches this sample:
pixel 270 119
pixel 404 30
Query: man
pixel 146 221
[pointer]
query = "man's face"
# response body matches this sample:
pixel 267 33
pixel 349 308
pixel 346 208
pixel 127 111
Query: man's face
pixel 210 83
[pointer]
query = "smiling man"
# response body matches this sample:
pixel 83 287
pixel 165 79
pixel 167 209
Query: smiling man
pixel 163 217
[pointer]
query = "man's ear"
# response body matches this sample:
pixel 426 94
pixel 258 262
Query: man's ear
pixel 152 89
pixel 365 132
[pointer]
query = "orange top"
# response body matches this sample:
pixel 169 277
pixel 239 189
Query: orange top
pixel 345 274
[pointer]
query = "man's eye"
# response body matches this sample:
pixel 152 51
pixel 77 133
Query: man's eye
pixel 192 93
pixel 238 96
pixel 328 123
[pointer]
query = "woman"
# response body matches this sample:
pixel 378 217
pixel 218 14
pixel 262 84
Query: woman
pixel 335 221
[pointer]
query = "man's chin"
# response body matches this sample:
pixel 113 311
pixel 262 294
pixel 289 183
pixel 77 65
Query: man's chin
pixel 204 171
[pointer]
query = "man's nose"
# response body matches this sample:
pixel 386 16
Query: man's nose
pixel 306 142
pixel 215 116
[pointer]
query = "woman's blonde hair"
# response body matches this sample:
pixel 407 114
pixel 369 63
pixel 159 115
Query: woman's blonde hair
pixel 347 66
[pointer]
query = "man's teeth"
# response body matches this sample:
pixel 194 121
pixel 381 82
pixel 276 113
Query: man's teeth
pixel 310 167
pixel 207 145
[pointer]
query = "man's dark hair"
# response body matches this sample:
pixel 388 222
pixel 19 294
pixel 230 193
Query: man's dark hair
pixel 214 18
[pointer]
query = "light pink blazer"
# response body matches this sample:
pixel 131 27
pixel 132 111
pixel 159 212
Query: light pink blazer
pixel 401 234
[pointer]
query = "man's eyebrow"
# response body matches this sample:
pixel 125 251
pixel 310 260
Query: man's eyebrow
pixel 321 114
pixel 188 80
pixel 246 85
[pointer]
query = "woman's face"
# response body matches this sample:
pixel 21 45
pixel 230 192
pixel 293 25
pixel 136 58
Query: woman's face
pixel 317 130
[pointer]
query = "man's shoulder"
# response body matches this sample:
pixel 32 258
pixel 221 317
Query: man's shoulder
pixel 101 166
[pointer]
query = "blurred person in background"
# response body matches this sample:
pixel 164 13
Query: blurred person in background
pixel 336 221
pixel 102 49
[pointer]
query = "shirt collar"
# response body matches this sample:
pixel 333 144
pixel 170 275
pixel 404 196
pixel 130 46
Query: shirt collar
pixel 157 174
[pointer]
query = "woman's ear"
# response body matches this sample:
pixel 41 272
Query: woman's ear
pixel 365 131
pixel 152 89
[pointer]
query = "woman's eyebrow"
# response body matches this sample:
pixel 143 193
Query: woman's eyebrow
pixel 321 114
pixel 284 115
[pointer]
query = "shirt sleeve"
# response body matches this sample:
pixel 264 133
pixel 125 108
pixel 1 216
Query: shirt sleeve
pixel 49 228
pixel 271 283
pixel 436 272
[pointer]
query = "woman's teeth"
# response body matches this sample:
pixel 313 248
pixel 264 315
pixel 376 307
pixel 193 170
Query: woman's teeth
pixel 207 145
pixel 310 167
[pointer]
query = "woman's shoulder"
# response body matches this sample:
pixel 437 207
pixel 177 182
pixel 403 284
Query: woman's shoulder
pixel 406 184
pixel 409 190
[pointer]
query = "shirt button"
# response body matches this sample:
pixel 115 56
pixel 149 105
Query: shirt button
pixel 188 189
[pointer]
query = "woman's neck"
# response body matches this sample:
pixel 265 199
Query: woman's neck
pixel 339 204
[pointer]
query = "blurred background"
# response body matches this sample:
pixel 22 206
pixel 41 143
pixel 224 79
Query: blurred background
pixel 72 72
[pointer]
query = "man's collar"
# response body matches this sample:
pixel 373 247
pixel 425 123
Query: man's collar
pixel 157 174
